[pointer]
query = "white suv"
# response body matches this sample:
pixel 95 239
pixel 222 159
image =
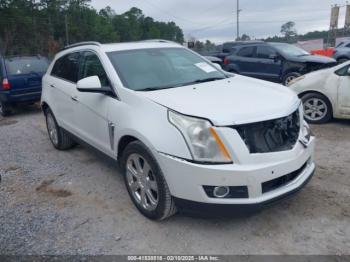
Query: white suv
pixel 185 133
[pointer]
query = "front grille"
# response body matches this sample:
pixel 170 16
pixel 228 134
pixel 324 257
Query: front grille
pixel 271 136
pixel 281 181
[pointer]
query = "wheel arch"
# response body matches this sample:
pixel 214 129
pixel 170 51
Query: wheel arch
pixel 300 95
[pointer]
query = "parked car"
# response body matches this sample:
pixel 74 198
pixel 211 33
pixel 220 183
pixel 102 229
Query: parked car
pixel 214 60
pixel 342 52
pixel 325 94
pixel 20 80
pixel 276 62
pixel 183 131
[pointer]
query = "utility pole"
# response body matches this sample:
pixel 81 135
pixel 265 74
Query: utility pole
pixel 66 25
pixel 237 13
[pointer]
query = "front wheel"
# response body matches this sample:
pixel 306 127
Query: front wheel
pixel 145 182
pixel 317 108
pixel 288 78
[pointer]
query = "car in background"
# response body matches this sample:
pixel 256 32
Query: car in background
pixel 325 94
pixel 342 52
pixel 20 80
pixel 214 60
pixel 276 62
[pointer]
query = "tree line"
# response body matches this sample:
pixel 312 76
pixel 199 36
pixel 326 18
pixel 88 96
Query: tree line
pixel 45 26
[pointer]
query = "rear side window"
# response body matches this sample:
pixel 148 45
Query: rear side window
pixel 265 52
pixel 91 66
pixel 67 67
pixel 26 65
pixel 247 51
pixel 348 45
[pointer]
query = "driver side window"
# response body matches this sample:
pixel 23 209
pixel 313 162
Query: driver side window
pixel 90 65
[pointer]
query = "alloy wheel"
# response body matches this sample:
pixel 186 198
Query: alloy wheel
pixel 315 109
pixel 52 129
pixel 141 182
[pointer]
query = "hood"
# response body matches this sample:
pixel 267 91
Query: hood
pixel 232 101
pixel 313 59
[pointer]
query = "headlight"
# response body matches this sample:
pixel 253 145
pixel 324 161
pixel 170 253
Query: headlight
pixel 296 80
pixel 202 140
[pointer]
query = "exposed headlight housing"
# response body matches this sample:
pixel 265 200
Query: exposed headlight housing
pixel 296 80
pixel 306 134
pixel 201 138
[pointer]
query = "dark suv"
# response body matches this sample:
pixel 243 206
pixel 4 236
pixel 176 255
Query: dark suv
pixel 276 62
pixel 20 78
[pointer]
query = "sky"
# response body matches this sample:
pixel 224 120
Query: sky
pixel 215 20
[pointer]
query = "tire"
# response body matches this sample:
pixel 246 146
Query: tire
pixel 289 77
pixel 59 138
pixel 342 60
pixel 149 192
pixel 317 108
pixel 5 109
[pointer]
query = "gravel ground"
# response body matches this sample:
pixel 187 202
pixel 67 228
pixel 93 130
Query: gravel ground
pixel 74 202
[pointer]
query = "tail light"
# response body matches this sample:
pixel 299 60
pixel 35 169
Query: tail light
pixel 6 84
pixel 226 61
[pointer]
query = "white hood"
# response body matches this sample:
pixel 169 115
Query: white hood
pixel 231 101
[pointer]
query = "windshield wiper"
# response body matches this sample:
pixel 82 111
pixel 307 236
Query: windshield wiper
pixel 155 88
pixel 210 79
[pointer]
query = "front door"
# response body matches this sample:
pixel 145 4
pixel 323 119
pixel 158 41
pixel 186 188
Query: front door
pixel 93 108
pixel 268 64
pixel 344 94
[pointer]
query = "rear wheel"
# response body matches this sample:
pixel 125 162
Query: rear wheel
pixel 145 182
pixel 5 109
pixel 317 108
pixel 59 137
pixel 342 60
pixel 288 78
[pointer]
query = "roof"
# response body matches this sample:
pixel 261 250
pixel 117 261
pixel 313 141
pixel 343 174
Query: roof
pixel 152 43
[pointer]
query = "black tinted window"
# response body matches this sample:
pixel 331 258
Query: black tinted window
pixel 348 45
pixel 247 51
pixel 67 67
pixel 343 71
pixel 265 52
pixel 91 66
pixel 26 65
pixel 1 71
pixel 228 47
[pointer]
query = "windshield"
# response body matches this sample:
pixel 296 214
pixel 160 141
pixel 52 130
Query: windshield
pixel 290 50
pixel 160 68
pixel 26 65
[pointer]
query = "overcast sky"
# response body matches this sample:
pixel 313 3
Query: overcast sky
pixel 216 19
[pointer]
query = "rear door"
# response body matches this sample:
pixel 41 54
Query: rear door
pixel 62 85
pixel 267 64
pixel 245 60
pixel 25 74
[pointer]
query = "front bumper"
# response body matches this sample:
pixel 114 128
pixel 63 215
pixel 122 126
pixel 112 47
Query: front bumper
pixel 186 179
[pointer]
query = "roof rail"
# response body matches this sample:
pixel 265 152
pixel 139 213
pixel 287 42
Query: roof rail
pixel 159 40
pixel 82 44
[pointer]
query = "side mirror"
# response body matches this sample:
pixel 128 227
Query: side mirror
pixel 274 57
pixel 92 84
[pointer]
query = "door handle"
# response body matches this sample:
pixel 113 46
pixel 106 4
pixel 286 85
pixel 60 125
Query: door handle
pixel 74 98
pixel 53 86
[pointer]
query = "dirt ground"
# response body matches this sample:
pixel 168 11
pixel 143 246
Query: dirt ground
pixel 75 202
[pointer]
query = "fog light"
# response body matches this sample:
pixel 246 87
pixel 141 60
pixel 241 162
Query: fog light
pixel 221 191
